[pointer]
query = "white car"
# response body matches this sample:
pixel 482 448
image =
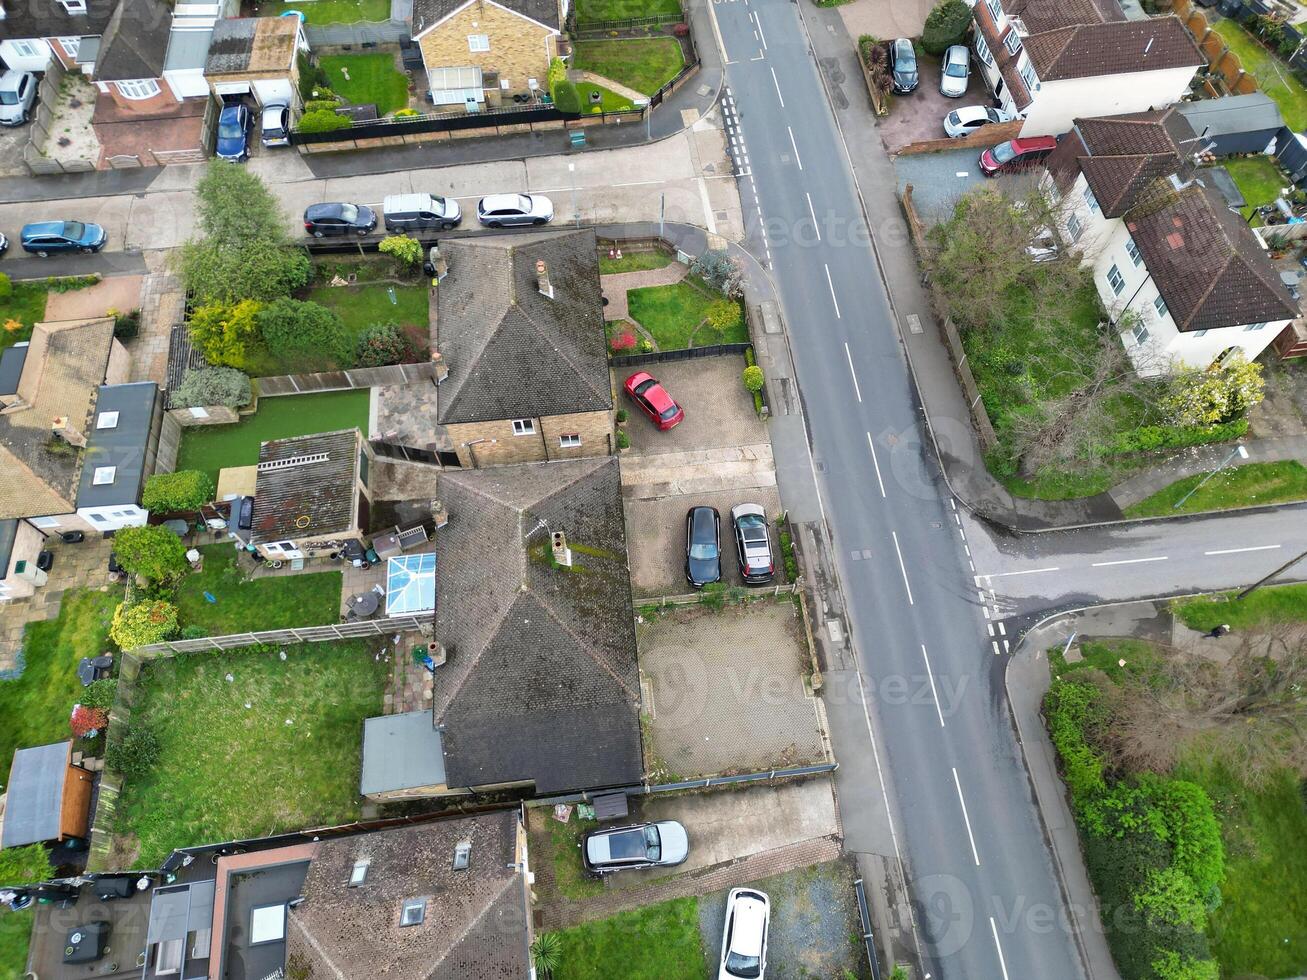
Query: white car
pixel 275 125
pixel 506 210
pixel 968 119
pixel 955 71
pixel 744 936
pixel 17 93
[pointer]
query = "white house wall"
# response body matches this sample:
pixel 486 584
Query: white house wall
pixel 40 61
pixel 1057 103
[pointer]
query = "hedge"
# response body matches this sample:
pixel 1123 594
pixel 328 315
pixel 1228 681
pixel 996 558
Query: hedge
pixel 1147 438
pixel 946 25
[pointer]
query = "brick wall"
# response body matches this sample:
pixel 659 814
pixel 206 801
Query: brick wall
pixel 498 445
pixel 519 48
pixel 119 367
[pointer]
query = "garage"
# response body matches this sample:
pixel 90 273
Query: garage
pixel 255 56
pixel 273 91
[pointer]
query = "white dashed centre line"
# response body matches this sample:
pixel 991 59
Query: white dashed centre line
pixel 778 86
pixel 1127 561
pixel 795 147
pixel 1002 964
pixel 857 390
pixel 965 819
pixel 1236 551
pixel 874 462
pixel 933 693
pixel 813 213
pixel 904 569
pixel 831 283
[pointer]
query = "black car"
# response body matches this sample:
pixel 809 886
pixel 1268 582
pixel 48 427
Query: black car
pixel 752 544
pixel 703 546
pixel 339 218
pixel 903 66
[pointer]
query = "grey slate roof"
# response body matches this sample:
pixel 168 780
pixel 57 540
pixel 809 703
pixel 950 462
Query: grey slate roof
pixel 308 499
pixel 429 12
pixel 187 49
pixel 34 796
pixel 135 42
pixel 124 446
pixel 38 18
pixel 1249 113
pixel 401 751
pixel 541 682
pixel 513 352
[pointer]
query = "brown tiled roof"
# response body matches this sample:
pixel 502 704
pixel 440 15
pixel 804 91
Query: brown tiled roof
pixel 1041 15
pixel 61 376
pixel 306 487
pixel 1112 48
pixel 474 926
pixel 1207 264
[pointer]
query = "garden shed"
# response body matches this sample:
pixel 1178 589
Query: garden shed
pixel 1235 124
pixel 48 798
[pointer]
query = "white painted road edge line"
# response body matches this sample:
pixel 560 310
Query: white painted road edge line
pixel 933 692
pixel 813 212
pixel 965 819
pixel 1127 561
pixel 876 464
pixel 757 19
pixel 831 283
pixel 904 569
pixel 1027 571
pixel 795 146
pixel 1235 551
pixel 778 86
pixel 993 927
pixel 857 390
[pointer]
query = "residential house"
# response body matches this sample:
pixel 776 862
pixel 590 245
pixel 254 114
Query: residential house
pixel 520 327
pixel 77 443
pixel 20 545
pixel 257 56
pixel 480 52
pixel 34 32
pixel 536 683
pixel 1052 62
pixel 310 494
pixel 1182 273
pixel 47 797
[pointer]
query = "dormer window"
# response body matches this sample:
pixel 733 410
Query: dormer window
pixel 74 6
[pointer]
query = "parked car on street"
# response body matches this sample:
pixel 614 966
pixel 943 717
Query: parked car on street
pixel 955 71
pixel 4 244
pixel 339 218
pixel 645 845
pixel 416 212
pixel 47 237
pixel 275 125
pixel 752 545
pixel 968 119
pixel 507 210
pixel 903 66
pixel 703 546
pixel 653 400
pixel 1016 154
pixel 744 935
pixel 234 124
pixel 17 93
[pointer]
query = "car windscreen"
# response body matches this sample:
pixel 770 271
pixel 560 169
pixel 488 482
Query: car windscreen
pixel 653 844
pixel 1004 152
pixel 8 98
pixel 956 69
pixel 703 550
pixel 74 230
pixel 523 203
pixel 230 129
pixel 739 965
pixel 668 413
pixel 349 213
pixel 993 116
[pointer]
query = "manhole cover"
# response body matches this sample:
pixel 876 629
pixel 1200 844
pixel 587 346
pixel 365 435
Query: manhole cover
pixel 703 90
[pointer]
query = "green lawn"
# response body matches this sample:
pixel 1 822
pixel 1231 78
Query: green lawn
pixel 674 316
pixel 34 708
pixel 634 262
pixel 656 942
pixel 361 306
pixel 1265 607
pixel 372 79
pixel 1235 486
pixel 570 877
pixel 1140 657
pixel 609 101
pixel 277 748
pixel 1273 76
pixel 331 11
pixel 26 305
pixel 15 934
pixel 588 11
pixel 211 447
pixel 644 64
pixel 247 605
pixel 1259 181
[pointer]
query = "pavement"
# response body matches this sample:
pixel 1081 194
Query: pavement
pixel 885 18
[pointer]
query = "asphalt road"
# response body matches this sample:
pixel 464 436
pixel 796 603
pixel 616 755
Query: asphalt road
pixel 981 877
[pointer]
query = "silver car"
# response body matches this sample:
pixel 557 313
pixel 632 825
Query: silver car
pixel 955 71
pixel 275 128
pixel 507 210
pixel 646 845
pixel 17 93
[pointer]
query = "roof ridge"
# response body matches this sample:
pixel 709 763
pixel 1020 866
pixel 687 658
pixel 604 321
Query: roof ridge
pixel 586 647
pixel 508 882
pixel 576 369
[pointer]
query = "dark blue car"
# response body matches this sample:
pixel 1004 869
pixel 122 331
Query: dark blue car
pixel 47 237
pixel 234 133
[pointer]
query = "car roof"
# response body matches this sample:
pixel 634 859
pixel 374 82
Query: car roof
pixel 658 396
pixel 408 202
pixel 957 52
pixel 702 516
pixel 274 107
pixel 327 209
pixel 11 78
pixel 232 109
pixel 750 919
pixel 44 228
pixel 494 202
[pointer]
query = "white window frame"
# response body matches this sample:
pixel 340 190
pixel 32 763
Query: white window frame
pixel 1027 73
pixel 1160 307
pixel 569 440
pixel 138 89
pixel 71 46
pixel 1012 41
pixel 1254 326
pixel 1074 228
pixel 25 49
pixel 478 43
pixel 1140 333
pixel 995 10
pixel 45 523
pixel 1132 250
pixel 524 427
pixel 99 518
pixel 1091 202
pixel 1115 280
pixel 982 50
pixel 74 6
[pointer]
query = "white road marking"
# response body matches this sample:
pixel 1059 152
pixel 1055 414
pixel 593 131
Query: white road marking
pixel 993 927
pixel 874 461
pixel 933 692
pixel 880 774
pixel 994 643
pixel 638 183
pixel 1235 551
pixel 967 820
pixel 709 221
pixel 990 627
pixel 857 390
pixel 758 20
pixel 904 569
pixel 778 86
pixel 795 146
pixel 1127 561
pixel 1026 571
pixel 812 212
pixel 831 284
pixel 1002 630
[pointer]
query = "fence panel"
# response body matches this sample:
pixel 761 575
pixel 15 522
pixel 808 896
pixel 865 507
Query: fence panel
pixel 688 354
pixel 299 384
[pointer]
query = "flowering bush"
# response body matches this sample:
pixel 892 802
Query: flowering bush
pixel 625 340
pixel 142 623
pixel 1197 397
pixel 87 721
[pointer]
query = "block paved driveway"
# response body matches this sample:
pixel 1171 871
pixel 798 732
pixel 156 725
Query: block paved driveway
pixel 724 691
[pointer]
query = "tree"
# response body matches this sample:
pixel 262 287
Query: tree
pixel 180 490
pixel 226 333
pixel 946 25
pixel 306 333
pixel 86 720
pixel 384 343
pixel 26 865
pixel 405 250
pixel 245 250
pixel 138 624
pixel 1197 397
pixel 151 551
pixel 134 753
pixel 213 386
pixel 721 272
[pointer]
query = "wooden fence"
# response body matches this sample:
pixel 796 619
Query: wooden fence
pixel 303 384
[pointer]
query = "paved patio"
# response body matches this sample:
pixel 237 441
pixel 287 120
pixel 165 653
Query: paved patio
pixel 162 304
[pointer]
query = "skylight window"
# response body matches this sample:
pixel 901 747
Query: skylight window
pixel 359 874
pixel 107 420
pixel 413 912
pixel 103 475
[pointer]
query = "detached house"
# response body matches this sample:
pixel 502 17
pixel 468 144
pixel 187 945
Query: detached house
pixel 1191 281
pixel 1050 62
pixel 479 53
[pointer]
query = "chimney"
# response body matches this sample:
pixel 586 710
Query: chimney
pixel 65 431
pixel 439 516
pixel 542 279
pixel 442 369
pixel 562 553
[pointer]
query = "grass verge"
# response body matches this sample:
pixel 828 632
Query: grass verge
pixel 364 79
pixel 251 604
pixel 1265 607
pixel 1236 486
pixel 656 942
pixel 644 64
pixel 589 11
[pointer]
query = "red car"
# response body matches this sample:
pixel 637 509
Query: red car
pixel 654 400
pixel 1015 154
